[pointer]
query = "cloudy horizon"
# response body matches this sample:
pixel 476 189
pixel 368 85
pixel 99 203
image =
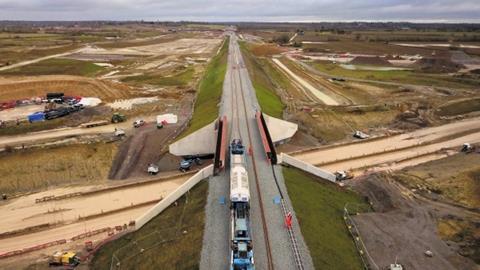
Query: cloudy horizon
pixel 447 11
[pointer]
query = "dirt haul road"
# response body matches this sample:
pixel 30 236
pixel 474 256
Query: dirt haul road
pixel 24 212
pixel 24 63
pixel 316 92
pixel 394 148
pixel 404 226
pixel 65 132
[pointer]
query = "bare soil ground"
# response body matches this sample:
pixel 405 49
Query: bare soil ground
pixel 180 46
pixel 64 215
pixel 403 227
pixel 456 181
pixel 146 146
pixel 12 88
pixel 423 137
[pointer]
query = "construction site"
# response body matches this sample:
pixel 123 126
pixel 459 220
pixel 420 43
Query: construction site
pixel 361 147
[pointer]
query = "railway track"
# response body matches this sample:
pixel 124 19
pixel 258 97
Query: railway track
pixel 235 112
pixel 291 233
pixel 285 211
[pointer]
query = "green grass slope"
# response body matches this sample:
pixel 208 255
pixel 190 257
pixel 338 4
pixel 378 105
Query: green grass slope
pixel 171 240
pixel 319 209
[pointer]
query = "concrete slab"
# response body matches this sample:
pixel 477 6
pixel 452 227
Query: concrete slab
pixel 280 130
pixel 201 142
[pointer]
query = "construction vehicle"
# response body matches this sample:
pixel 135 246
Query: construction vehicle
pixel 54 95
pixel 428 253
pixel 152 169
pixel 119 132
pixel 467 148
pixel 138 123
pixel 343 175
pixel 395 266
pixel 360 135
pixel 68 258
pixel 117 118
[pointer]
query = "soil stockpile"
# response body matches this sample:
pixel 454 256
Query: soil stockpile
pixel 437 65
pixel 370 61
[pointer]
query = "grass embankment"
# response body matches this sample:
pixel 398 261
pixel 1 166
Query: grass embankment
pixel 268 99
pixel 56 66
pixel 171 240
pixel 398 76
pixel 36 169
pixel 209 94
pixel 319 209
pixel 333 124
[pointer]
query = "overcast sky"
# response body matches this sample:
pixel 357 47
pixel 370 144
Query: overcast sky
pixel 243 10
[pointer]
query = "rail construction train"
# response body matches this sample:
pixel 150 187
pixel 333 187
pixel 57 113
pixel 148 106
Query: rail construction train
pixel 241 257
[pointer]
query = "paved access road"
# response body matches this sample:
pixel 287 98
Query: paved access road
pixel 271 243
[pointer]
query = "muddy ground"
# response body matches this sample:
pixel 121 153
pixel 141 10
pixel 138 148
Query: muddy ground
pixel 147 145
pixel 404 226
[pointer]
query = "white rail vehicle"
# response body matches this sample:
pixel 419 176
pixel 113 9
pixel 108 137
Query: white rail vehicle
pixel 241 257
pixel 239 189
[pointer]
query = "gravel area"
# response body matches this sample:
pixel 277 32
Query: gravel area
pixel 216 246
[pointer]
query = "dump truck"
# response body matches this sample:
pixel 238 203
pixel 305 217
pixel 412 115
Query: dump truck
pixel 68 258
pixel 118 117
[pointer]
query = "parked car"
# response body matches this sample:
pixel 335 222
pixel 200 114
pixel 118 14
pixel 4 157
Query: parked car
pixel 360 135
pixel 152 169
pixel 138 123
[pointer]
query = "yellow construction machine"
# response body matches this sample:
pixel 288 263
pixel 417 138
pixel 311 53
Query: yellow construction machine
pixel 68 258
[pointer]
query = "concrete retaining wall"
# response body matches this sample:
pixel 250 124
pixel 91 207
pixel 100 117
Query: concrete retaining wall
pixel 304 166
pixel 172 197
